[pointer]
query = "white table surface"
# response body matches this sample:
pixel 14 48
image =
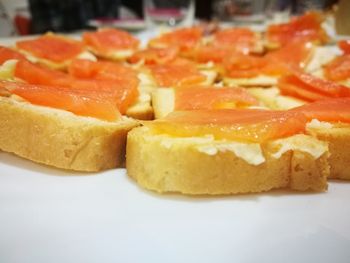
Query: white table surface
pixel 49 215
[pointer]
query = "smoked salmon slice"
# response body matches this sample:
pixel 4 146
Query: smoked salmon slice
pixel 331 110
pixel 121 79
pixel 180 72
pixel 103 70
pixel 52 47
pixel 80 102
pixel 7 54
pixel 241 40
pixel 124 93
pixel 344 45
pixel 292 56
pixel 311 88
pixel 307 27
pixel 198 98
pixel 243 66
pixel 244 125
pixel 109 40
pixel 39 75
pixel 211 53
pixel 151 56
pixel 338 69
pixel 186 39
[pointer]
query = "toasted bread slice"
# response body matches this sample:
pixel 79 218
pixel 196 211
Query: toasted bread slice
pixel 321 56
pixel 201 165
pixel 61 139
pixel 142 109
pixel 338 137
pixel 163 101
pixel 258 81
pixel 272 98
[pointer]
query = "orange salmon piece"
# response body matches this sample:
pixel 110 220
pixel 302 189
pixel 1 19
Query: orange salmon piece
pixel 80 102
pixel 7 54
pixel 306 27
pixel 243 125
pixel 211 53
pixel 200 98
pixel 311 88
pixel 152 56
pixel 102 70
pixel 184 38
pixel 39 75
pixel 52 47
pixel 110 40
pixel 238 39
pixel 332 110
pixel 338 69
pixel 244 66
pixel 293 55
pixel 120 79
pixel 344 45
pixel 124 93
pixel 180 72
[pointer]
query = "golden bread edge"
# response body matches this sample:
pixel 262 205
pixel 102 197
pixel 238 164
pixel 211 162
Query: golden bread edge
pixel 62 139
pixel 182 168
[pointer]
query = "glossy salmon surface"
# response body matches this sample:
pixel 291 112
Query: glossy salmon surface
pixel 244 125
pixel 52 47
pixel 81 102
pixel 198 98
pixel 306 27
pixel 110 40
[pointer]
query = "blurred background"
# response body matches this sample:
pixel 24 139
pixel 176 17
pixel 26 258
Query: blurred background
pixel 23 17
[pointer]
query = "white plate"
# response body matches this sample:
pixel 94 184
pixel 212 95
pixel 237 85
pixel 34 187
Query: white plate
pixel 49 215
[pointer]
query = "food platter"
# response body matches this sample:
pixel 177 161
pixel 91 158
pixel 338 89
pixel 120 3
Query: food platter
pixel 51 215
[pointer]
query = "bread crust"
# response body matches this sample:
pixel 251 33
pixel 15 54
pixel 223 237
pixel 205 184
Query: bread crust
pixel 338 138
pixel 61 139
pixel 182 168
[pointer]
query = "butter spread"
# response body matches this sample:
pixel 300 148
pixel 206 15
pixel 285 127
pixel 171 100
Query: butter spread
pixel 316 124
pixel 120 54
pixel 87 55
pixel 302 143
pixel 249 152
pixel 7 70
pixel 145 79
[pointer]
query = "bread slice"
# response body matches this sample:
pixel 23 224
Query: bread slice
pixel 201 165
pixel 338 138
pixel 320 57
pixel 59 138
pixel 163 100
pixel 142 109
pixel 272 99
pixel 258 81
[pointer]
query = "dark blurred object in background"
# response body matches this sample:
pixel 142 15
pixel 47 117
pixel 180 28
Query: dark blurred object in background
pixel 69 15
